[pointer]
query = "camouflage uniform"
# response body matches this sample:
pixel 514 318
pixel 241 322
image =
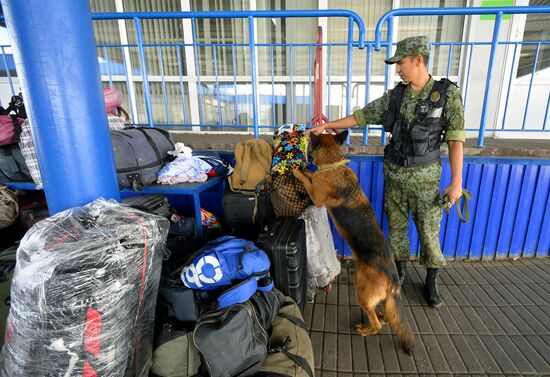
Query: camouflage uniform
pixel 415 189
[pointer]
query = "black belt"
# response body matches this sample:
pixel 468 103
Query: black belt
pixel 412 161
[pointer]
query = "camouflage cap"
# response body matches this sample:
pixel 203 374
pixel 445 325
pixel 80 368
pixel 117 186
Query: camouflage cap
pixel 412 46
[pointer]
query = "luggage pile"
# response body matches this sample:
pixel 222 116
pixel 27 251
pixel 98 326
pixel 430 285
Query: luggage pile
pixel 221 314
pixel 82 296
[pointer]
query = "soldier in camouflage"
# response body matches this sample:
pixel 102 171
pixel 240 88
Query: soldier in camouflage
pixel 420 113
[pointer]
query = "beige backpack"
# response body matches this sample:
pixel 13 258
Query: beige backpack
pixel 9 209
pixel 253 164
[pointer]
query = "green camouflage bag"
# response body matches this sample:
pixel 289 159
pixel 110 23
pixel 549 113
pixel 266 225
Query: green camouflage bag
pixel 291 352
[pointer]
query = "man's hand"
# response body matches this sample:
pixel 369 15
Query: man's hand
pixel 317 130
pixel 454 192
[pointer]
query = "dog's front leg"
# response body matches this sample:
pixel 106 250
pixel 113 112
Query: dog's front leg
pixel 316 196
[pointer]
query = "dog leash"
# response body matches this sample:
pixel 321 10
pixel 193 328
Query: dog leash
pixel 446 205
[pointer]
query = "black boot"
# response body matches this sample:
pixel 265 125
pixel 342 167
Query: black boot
pixel 432 292
pixel 401 270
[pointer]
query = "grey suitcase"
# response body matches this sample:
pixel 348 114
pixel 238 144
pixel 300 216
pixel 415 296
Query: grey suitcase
pixel 12 165
pixel 140 152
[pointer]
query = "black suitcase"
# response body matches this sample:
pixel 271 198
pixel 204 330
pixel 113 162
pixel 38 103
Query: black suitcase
pixel 245 215
pixel 152 203
pixel 284 241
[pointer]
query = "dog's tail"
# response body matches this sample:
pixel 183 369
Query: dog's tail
pixel 394 318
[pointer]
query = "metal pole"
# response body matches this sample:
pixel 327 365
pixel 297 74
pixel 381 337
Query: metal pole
pixel 67 115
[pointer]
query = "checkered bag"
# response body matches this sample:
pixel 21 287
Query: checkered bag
pixel 29 153
pixel 289 197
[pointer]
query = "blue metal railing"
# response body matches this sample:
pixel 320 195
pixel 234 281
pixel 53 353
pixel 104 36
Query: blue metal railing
pixel 217 88
pixel 497 11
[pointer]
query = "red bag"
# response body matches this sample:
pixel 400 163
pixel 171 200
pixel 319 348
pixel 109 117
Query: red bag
pixel 113 100
pixel 10 129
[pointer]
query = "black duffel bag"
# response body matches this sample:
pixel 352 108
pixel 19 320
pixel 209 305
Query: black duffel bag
pixel 234 341
pixel 12 165
pixel 139 153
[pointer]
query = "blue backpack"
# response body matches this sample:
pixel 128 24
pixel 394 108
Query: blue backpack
pixel 229 262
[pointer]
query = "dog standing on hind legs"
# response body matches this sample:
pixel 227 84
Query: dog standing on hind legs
pixel 336 187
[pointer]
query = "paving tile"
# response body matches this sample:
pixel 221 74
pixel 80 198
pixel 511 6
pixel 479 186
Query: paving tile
pixel 344 357
pixel 502 289
pixel 329 373
pixel 502 320
pixel 515 355
pixel 343 315
pixel 510 276
pixel 522 298
pixel 343 294
pixel 317 343
pixel 355 318
pixel 407 314
pixel 452 356
pixel 482 354
pixel 447 318
pixel 330 351
pixel 318 320
pixel 535 359
pixel 332 296
pixel 541 316
pixel 411 292
pixel 374 355
pixel 516 320
pixel 468 356
pixel 540 346
pixel 526 289
pixel 530 320
pixel 482 295
pixel 436 323
pixel 476 322
pixel 538 275
pixel 519 274
pixel 489 277
pixel 476 272
pixel 458 296
pixel 470 295
pixel 457 278
pixel 502 359
pixel 331 318
pixel 359 354
pixel 421 320
pixel 461 320
pixel 494 295
pixel 439 363
pixel 343 278
pixel 320 297
pixel 444 277
pixel 406 362
pixel 388 349
pixel 414 276
pixel 308 314
pixel 489 321
pixel 422 358
pixel 446 295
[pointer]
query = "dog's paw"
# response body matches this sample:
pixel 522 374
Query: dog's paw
pixel 361 329
pixel 297 173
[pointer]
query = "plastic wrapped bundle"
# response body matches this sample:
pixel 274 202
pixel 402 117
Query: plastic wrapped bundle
pixel 84 293
pixel 322 263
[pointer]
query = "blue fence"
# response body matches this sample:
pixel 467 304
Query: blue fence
pixel 233 102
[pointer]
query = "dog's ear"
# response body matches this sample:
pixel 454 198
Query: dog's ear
pixel 315 140
pixel 341 137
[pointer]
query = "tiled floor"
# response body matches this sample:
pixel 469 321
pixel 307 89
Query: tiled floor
pixel 495 321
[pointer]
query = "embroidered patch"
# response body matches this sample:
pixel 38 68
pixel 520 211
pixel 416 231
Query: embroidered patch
pixel 435 96
pixel 435 112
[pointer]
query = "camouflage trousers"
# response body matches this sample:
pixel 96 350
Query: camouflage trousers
pixel 414 190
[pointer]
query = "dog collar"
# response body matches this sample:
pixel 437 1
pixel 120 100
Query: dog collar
pixel 334 165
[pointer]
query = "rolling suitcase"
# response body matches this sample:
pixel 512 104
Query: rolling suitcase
pixel 284 241
pixel 152 203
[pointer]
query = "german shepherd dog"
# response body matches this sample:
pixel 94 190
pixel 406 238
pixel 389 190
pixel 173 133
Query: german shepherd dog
pixel 336 187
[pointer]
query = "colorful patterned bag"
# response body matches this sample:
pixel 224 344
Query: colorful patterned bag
pixel 289 149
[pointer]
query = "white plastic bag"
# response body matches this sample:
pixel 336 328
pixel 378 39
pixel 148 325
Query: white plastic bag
pixel 323 265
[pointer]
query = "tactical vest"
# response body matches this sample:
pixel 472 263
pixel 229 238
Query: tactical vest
pixel 416 143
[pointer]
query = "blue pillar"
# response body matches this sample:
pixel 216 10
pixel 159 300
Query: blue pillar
pixel 56 59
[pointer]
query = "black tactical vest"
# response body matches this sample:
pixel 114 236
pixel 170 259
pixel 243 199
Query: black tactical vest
pixel 416 143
